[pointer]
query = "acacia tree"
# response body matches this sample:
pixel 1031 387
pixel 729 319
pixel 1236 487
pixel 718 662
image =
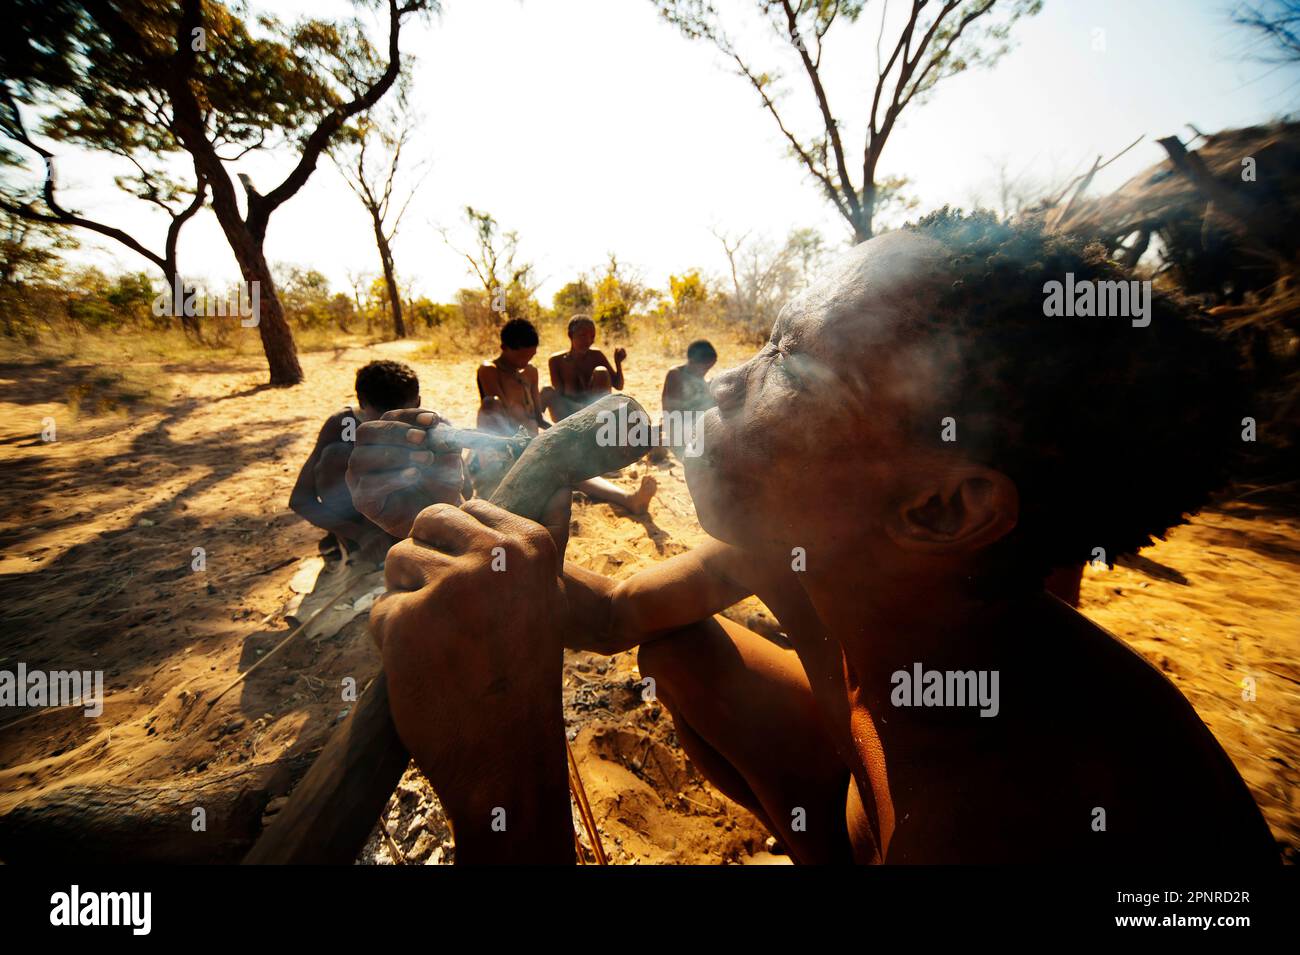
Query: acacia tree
pixel 931 41
pixel 508 284
pixel 28 75
pixel 224 93
pixel 367 157
pixel 764 277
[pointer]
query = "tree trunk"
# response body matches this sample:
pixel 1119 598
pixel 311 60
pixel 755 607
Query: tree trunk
pixel 189 323
pixel 390 275
pixel 277 338
pixel 862 224
pixel 150 824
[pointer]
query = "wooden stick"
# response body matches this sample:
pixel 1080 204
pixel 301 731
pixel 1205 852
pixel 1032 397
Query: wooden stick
pixel 584 807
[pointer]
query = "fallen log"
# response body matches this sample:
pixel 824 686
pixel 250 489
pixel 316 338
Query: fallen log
pixel 332 811
pixel 149 823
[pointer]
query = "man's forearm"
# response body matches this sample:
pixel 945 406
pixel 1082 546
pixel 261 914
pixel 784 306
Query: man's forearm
pixel 523 820
pixel 590 599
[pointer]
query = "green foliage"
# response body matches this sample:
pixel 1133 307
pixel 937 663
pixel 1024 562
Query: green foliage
pixel 431 315
pixel 610 309
pixel 688 291
pixel 575 298
pixel 310 304
pixel 508 284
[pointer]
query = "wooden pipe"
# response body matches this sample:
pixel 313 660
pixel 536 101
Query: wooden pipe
pixel 332 811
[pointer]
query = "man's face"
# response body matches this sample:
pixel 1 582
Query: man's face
pixel 808 444
pixel 701 368
pixel 582 338
pixel 519 357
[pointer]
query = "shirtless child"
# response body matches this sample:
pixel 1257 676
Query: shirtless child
pixel 884 550
pixel 686 394
pixel 320 495
pixel 509 400
pixel 581 375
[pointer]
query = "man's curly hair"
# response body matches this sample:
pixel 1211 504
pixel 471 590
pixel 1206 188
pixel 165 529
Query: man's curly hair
pixel 1112 433
pixel 387 385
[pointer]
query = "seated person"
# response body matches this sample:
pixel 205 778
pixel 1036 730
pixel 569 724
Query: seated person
pixel 686 394
pixel 320 495
pixel 509 400
pixel 938 705
pixel 581 375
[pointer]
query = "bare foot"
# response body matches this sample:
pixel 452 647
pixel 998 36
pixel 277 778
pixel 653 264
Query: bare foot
pixel 638 502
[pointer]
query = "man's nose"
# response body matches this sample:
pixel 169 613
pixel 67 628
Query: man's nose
pixel 728 388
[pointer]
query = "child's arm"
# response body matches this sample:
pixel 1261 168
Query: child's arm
pixel 489 382
pixel 304 499
pixel 617 377
pixel 531 374
pixel 615 367
pixel 609 616
pixel 672 396
pixel 557 377
pixel 492 415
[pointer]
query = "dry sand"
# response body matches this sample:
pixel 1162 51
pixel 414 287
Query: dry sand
pixel 97 534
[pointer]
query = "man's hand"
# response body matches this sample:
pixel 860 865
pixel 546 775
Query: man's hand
pixel 393 475
pixel 470 634
pixel 619 355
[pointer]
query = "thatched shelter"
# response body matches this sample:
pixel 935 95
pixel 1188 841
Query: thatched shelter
pixel 1225 217
pixel 1221 224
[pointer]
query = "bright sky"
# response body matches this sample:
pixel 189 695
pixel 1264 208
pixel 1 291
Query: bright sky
pixel 592 126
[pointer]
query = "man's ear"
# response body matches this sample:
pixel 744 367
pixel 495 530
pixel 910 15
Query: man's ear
pixel 965 509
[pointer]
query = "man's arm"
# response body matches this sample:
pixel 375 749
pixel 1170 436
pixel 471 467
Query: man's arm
pixel 609 616
pixel 480 710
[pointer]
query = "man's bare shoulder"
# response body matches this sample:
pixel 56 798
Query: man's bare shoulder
pixel 1092 750
pixel 1128 733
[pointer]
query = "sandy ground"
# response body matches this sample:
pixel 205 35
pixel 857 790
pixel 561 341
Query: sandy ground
pixel 97 538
